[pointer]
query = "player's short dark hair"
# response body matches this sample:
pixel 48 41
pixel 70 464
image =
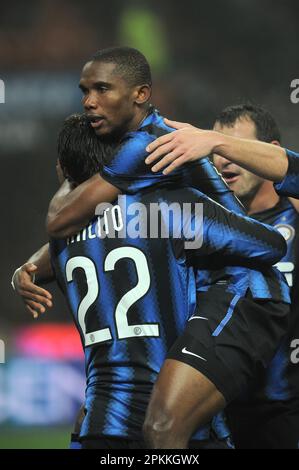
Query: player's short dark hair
pixel 130 64
pixel 266 127
pixel 81 153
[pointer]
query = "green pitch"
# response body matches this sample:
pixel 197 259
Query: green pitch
pixel 35 437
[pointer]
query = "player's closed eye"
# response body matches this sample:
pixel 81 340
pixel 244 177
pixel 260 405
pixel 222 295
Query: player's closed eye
pixel 101 88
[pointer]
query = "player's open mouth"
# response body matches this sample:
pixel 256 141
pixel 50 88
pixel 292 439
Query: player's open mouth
pixel 95 120
pixel 229 176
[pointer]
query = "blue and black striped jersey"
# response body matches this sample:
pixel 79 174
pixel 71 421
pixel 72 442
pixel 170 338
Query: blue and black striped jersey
pixel 289 186
pixel 128 171
pixel 131 290
pixel 282 379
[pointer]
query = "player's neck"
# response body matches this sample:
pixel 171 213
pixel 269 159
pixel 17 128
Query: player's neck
pixel 140 116
pixel 265 198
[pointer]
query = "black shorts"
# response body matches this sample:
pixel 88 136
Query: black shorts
pixel 213 443
pixel 229 338
pixel 265 424
pixel 111 443
pixel 115 443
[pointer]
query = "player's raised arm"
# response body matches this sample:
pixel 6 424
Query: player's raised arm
pixel 189 143
pixel 37 269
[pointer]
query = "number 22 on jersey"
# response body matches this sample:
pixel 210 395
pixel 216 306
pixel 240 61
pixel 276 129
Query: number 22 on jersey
pixel 124 330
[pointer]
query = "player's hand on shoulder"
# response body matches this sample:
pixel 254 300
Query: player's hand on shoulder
pixel 35 298
pixel 186 144
pixel 295 203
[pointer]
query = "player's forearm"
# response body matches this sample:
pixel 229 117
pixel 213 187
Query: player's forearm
pixel 41 259
pixel 62 221
pixel 266 160
pixel 70 210
pixel 295 203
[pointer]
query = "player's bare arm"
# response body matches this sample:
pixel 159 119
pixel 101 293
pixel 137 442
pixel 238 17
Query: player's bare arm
pixel 189 143
pixel 37 269
pixel 295 203
pixel 70 210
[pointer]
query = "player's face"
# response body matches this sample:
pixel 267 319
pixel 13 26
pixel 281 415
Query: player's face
pixel 107 98
pixel 244 183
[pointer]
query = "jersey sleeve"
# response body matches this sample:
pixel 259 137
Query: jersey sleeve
pixel 128 171
pixel 204 176
pixel 289 186
pixel 211 230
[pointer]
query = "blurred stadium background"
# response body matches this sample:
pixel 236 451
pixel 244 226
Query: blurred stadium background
pixel 204 56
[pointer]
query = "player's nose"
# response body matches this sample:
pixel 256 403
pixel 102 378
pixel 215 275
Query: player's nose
pixel 220 162
pixel 90 102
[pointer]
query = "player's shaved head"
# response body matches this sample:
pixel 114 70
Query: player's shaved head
pixel 130 64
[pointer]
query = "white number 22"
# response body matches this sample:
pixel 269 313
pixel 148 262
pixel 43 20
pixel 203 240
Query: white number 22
pixel 124 330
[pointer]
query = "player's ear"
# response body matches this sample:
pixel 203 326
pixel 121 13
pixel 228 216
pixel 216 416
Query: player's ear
pixel 275 142
pixel 142 94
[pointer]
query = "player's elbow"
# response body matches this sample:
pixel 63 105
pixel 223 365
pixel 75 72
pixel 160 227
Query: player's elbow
pixel 56 228
pixel 157 429
pixel 162 431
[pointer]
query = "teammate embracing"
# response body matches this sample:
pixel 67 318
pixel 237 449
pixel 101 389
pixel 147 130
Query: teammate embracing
pixel 116 88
